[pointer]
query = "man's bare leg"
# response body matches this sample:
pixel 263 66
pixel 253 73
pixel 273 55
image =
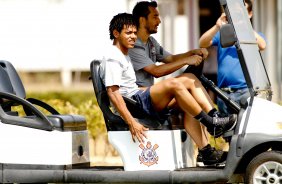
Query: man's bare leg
pixel 197 90
pixel 171 89
pixel 163 92
pixel 196 131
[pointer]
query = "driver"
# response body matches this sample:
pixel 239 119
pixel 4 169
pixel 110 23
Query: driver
pixel 118 76
pixel 147 51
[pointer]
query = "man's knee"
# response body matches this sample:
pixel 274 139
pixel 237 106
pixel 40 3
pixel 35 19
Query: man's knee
pixel 189 79
pixel 189 76
pixel 174 84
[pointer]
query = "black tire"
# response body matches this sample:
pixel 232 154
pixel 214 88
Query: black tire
pixel 265 168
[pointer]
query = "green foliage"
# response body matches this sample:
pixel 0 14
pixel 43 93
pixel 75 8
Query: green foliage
pixel 82 103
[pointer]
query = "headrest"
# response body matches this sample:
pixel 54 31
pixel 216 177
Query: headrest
pixel 5 83
pixel 15 81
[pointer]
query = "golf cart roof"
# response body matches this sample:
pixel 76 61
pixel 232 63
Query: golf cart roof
pixel 247 48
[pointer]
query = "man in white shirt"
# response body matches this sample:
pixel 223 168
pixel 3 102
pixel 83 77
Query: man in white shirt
pixel 118 76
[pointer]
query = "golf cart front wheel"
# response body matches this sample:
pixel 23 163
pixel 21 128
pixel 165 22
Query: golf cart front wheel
pixel 266 168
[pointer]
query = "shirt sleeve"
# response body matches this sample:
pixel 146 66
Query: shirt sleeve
pixel 263 36
pixel 113 73
pixel 139 57
pixel 161 53
pixel 216 39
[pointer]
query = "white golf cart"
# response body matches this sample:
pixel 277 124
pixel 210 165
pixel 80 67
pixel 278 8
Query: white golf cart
pixel 54 149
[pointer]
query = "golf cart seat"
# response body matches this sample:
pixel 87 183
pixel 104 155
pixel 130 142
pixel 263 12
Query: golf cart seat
pixel 12 93
pixel 115 122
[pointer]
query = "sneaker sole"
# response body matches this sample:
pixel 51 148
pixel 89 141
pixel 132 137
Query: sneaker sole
pixel 233 126
pixel 200 164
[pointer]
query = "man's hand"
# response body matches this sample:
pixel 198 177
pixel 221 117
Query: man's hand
pixel 194 60
pixel 221 20
pixel 201 52
pixel 261 41
pixel 137 131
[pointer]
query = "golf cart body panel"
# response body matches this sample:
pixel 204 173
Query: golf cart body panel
pixel 262 120
pixel 153 154
pixel 41 147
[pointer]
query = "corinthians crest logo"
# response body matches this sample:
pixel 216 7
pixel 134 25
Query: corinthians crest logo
pixel 148 156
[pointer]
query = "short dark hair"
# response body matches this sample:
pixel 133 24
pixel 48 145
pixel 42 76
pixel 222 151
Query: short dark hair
pixel 250 5
pixel 141 9
pixel 118 22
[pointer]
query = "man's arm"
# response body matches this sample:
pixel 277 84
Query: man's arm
pixel 261 41
pixel 169 67
pixel 206 39
pixel 184 56
pixel 141 60
pixel 136 129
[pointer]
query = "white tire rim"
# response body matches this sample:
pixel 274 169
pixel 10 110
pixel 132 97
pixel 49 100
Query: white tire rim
pixel 268 173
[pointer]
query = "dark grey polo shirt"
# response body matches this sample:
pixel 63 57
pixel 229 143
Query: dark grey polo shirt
pixel 143 55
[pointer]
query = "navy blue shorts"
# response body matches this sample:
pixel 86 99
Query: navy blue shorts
pixel 143 98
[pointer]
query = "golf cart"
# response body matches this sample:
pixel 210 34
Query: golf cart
pixel 53 148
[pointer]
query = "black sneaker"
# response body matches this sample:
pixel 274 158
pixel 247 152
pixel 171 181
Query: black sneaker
pixel 210 156
pixel 222 125
pixel 217 114
pixel 199 160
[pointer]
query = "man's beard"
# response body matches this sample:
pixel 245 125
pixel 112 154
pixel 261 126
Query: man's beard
pixel 151 31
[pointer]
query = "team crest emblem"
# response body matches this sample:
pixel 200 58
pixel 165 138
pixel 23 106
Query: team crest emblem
pixel 148 156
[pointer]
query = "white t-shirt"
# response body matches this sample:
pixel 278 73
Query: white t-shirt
pixel 116 69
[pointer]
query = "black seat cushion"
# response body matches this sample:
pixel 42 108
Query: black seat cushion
pixel 66 122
